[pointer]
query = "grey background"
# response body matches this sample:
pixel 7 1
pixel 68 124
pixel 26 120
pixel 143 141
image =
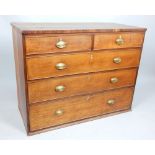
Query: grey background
pixel 137 124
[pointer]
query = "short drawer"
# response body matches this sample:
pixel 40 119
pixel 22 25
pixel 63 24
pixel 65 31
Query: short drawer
pixel 118 40
pixel 54 44
pixel 48 89
pixel 59 112
pixel 67 64
pixel 57 65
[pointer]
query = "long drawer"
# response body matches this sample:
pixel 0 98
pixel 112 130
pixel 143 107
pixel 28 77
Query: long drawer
pixel 67 64
pixel 49 89
pixel 118 40
pixel 58 112
pixel 40 44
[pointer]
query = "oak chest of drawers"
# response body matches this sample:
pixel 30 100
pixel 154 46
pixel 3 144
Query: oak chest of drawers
pixel 70 73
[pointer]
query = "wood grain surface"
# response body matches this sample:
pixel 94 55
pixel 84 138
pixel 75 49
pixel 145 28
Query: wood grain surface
pixel 88 58
pixel 108 41
pixel 47 44
pixel 48 28
pixel 43 90
pixel 20 76
pixel 44 66
pixel 76 108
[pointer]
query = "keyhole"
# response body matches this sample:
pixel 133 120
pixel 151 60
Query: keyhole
pixel 91 58
pixel 88 97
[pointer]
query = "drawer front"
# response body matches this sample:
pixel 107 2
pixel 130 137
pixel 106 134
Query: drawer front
pixel 118 59
pixel 118 40
pixel 68 64
pixel 49 89
pixel 46 66
pixel 77 108
pixel 51 44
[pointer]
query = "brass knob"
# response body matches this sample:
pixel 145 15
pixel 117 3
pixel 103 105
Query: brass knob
pixel 61 44
pixel 111 101
pixel 117 60
pixel 120 40
pixel 59 112
pixel 60 66
pixel 114 80
pixel 59 88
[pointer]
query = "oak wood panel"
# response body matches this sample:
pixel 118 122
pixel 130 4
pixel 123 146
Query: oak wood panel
pixel 56 28
pixel 44 66
pixel 47 44
pixel 88 63
pixel 43 90
pixel 108 40
pixel 20 75
pixel 104 60
pixel 77 108
pixel 31 133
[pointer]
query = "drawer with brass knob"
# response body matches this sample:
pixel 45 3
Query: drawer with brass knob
pixel 70 73
pixel 118 40
pixel 49 89
pixel 58 112
pixel 67 64
pixel 42 44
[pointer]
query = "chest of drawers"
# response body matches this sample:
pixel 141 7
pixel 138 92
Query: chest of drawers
pixel 71 73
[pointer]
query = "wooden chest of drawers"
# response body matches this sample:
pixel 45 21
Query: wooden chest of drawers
pixel 71 73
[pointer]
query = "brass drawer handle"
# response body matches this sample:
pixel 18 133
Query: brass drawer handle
pixel 120 40
pixel 61 44
pixel 114 80
pixel 59 112
pixel 59 88
pixel 117 60
pixel 60 66
pixel 111 101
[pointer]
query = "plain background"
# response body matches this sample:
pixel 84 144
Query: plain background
pixel 138 124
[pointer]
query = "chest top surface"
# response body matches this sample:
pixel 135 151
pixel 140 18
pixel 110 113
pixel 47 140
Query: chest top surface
pixel 36 28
